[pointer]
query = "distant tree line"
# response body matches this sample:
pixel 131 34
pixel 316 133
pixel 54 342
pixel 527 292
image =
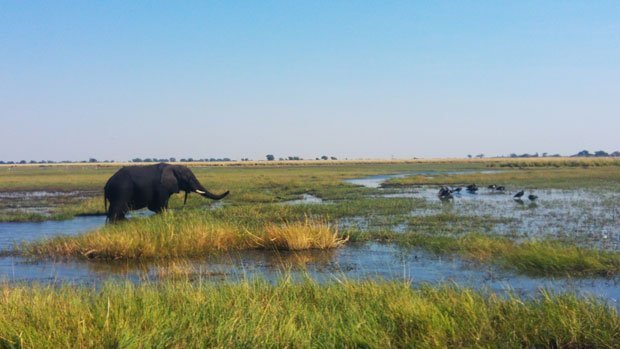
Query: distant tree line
pixel 91 160
pixel 583 153
pixel 271 157
pixel 599 153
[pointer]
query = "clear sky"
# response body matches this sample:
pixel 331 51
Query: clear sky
pixel 357 79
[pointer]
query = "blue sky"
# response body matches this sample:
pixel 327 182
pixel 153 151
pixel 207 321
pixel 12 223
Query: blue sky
pixel 356 79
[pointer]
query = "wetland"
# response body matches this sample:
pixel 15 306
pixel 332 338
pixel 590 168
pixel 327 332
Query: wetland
pixel 308 226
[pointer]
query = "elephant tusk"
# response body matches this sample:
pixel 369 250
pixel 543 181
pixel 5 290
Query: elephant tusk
pixel 200 192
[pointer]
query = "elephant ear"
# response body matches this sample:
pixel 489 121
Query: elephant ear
pixel 169 180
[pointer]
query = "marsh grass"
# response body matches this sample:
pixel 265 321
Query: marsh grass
pixel 297 314
pixel 185 234
pixel 604 177
pixel 536 258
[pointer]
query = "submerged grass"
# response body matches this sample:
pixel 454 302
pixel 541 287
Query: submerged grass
pixel 537 258
pixel 297 314
pixel 185 234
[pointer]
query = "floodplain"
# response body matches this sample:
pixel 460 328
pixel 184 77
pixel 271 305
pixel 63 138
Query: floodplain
pixel 302 233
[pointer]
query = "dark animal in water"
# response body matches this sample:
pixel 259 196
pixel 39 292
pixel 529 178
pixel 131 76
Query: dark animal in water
pixel 532 197
pixel 472 188
pixel 519 194
pixel 492 187
pixel 445 193
pixel 456 190
pixel 136 187
pixel 500 188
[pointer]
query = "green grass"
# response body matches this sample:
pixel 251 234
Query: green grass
pixel 607 178
pixel 297 314
pixel 535 258
pixel 193 234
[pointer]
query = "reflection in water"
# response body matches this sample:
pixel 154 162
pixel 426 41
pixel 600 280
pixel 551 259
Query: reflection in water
pixel 356 261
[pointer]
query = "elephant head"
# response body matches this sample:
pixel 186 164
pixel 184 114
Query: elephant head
pixel 176 178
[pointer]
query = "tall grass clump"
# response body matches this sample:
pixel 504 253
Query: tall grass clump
pixel 297 314
pixel 304 235
pixel 538 258
pixel 185 234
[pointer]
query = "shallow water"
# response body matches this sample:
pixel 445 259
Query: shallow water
pixel 357 261
pixel 377 180
pixel 305 199
pixel 39 202
pixel 587 217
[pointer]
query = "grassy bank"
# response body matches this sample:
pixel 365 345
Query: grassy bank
pixel 605 177
pixel 306 314
pixel 538 258
pixel 185 234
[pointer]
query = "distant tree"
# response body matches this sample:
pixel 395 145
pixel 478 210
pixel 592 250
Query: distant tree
pixel 469 156
pixel 92 160
pixel 2 162
pixel 22 162
pixel 333 158
pixel 584 153
pixel 480 156
pixel 136 160
pixel 600 153
pixel 33 162
pixel 324 157
pixel 172 160
pixel 270 157
pixel 615 154
pixel 513 155
pixel 544 155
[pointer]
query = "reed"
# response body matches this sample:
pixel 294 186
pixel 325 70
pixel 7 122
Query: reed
pixel 369 314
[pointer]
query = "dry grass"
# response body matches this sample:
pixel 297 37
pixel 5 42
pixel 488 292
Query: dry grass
pixel 185 234
pixel 309 234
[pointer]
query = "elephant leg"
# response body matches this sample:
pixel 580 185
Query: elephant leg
pixel 158 207
pixel 117 212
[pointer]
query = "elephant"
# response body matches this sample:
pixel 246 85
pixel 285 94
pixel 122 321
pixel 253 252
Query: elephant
pixel 136 187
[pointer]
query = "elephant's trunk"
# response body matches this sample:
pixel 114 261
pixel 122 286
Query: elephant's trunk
pixel 210 195
pixel 199 189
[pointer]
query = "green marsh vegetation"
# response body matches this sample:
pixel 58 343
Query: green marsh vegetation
pixel 591 178
pixel 254 212
pixel 297 314
pixel 183 310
